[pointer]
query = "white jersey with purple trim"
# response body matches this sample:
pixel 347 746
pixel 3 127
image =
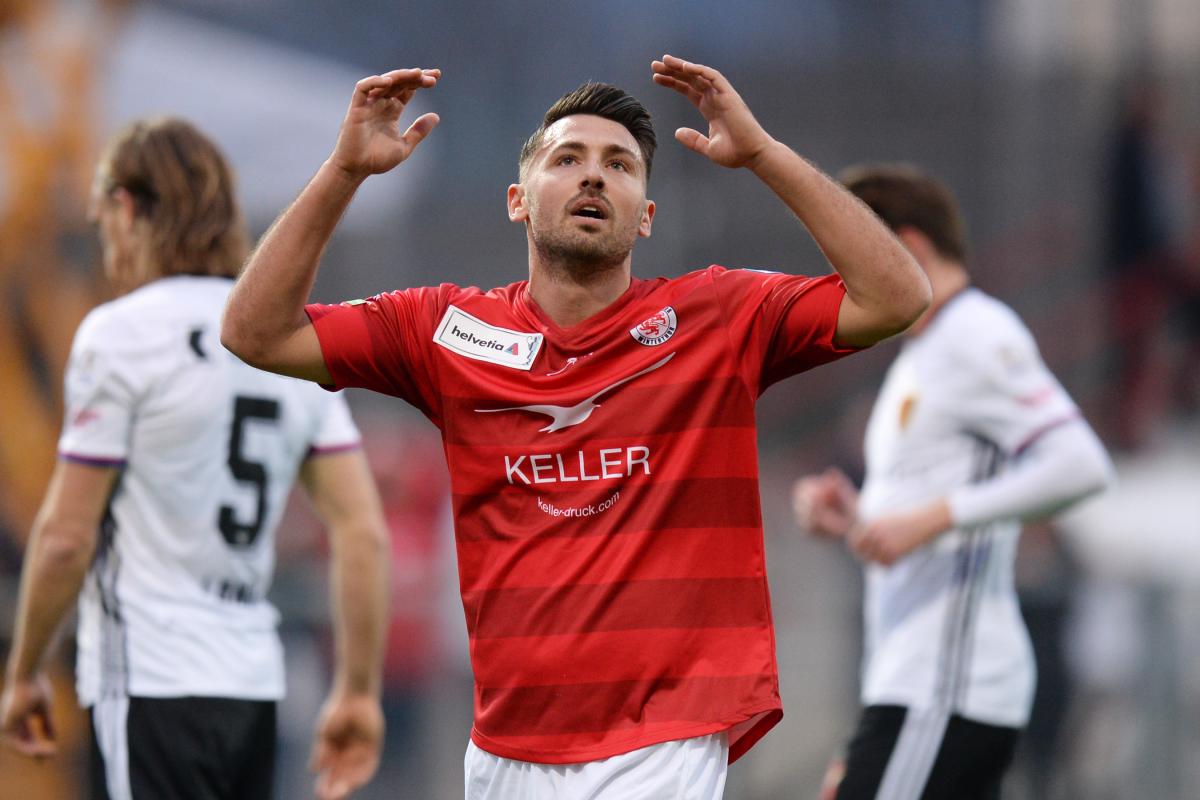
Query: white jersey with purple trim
pixel 943 627
pixel 208 448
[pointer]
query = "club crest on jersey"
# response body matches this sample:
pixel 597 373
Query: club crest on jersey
pixel 907 407
pixel 465 335
pixel 656 329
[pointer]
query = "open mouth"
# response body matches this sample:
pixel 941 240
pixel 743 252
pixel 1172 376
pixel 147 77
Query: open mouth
pixel 590 211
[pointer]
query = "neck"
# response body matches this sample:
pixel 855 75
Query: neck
pixel 570 293
pixel 946 282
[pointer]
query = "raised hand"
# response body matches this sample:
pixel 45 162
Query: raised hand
pixel 370 141
pixel 734 137
pixel 349 738
pixel 26 723
pixel 825 504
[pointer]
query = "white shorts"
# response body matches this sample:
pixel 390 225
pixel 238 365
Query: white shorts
pixel 686 769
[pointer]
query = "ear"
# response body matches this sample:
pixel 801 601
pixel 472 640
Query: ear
pixel 647 220
pixel 127 209
pixel 916 243
pixel 517 210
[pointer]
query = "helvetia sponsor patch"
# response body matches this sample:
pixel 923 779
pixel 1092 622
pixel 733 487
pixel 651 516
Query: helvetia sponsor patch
pixel 468 336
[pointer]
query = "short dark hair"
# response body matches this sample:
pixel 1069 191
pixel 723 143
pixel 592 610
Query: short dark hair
pixel 904 196
pixel 602 100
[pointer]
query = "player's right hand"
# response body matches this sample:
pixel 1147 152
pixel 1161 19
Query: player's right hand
pixel 370 141
pixel 825 504
pixel 26 723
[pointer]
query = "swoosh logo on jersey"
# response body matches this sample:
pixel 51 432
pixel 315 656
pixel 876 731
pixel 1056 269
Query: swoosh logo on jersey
pixel 566 416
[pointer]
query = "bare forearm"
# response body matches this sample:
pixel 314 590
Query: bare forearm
pixel 880 275
pixel 55 568
pixel 267 305
pixel 360 601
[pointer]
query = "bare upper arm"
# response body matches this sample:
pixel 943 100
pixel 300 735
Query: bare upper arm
pixel 76 501
pixel 300 356
pixel 297 354
pixel 342 489
pixel 859 326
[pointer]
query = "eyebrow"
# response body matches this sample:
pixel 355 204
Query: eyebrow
pixel 609 149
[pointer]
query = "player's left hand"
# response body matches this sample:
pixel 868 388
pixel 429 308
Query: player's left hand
pixel 26 720
pixel 735 139
pixel 349 737
pixel 889 538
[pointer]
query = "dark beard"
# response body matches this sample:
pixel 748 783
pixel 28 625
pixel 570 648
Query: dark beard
pixel 581 259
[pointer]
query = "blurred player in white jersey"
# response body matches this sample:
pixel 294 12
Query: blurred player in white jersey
pixel 970 435
pixel 175 463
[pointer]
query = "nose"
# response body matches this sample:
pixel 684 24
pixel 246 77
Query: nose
pixel 593 177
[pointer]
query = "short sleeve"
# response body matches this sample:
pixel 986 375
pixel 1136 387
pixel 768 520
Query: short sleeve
pixel 100 399
pixel 1017 397
pixel 382 344
pixel 337 432
pixel 785 324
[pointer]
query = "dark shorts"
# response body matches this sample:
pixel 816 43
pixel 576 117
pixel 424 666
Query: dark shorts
pixel 183 748
pixel 896 754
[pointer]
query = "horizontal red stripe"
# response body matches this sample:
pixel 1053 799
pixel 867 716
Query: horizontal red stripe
pixel 636 555
pixel 620 706
pixel 640 605
pixel 621 656
pixel 515 515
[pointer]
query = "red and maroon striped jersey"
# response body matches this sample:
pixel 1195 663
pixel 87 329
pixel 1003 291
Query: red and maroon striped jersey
pixel 605 493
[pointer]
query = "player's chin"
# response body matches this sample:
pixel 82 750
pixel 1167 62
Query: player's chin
pixel 590 224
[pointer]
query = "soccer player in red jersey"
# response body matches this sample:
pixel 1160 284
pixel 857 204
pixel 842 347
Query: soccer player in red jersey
pixel 599 428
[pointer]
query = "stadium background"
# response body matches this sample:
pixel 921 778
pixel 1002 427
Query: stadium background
pixel 1069 128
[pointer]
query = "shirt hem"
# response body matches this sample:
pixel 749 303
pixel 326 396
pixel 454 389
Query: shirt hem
pixel 331 450
pixel 770 714
pixel 91 461
pixel 975 714
pixel 87 699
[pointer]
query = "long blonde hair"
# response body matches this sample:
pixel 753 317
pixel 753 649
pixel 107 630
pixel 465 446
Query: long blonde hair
pixel 186 217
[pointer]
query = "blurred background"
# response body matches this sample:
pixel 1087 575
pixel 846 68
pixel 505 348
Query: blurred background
pixel 1070 130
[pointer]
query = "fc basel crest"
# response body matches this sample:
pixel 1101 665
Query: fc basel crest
pixel 656 329
pixel 907 407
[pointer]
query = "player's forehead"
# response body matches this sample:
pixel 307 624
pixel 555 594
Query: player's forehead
pixel 588 131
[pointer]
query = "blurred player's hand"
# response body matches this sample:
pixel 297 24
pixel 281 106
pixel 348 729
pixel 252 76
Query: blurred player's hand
pixel 348 740
pixel 734 137
pixel 887 539
pixel 370 140
pixel 825 504
pixel 832 779
pixel 26 723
